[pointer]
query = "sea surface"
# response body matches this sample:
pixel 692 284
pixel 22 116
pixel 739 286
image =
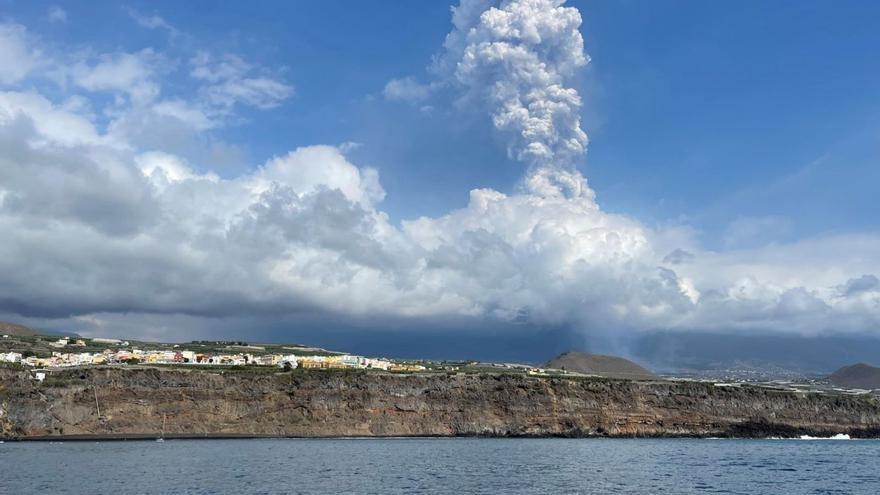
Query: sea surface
pixel 436 465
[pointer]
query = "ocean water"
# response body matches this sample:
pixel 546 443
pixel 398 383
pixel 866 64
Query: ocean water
pixel 435 465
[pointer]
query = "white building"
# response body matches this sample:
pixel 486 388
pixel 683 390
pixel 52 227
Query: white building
pixel 379 364
pixel 11 357
pixel 290 359
pixel 350 361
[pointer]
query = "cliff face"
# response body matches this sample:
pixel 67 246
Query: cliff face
pixel 133 402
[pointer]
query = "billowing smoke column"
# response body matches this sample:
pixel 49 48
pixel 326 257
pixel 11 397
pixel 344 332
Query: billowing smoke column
pixel 304 232
pixel 516 57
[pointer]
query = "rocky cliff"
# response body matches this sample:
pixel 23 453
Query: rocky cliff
pixel 130 403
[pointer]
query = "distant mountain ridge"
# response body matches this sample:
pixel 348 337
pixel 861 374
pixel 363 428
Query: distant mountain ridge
pixel 859 375
pixel 7 328
pixel 599 364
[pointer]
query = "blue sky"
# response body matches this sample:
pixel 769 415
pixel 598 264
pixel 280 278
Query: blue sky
pixel 745 136
pixel 697 111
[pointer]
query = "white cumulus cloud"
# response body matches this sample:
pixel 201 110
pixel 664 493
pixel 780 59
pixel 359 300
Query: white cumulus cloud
pixel 406 89
pixel 110 220
pixel 18 55
pixel 131 73
pixel 231 80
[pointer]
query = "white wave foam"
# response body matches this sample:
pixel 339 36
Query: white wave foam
pixel 839 436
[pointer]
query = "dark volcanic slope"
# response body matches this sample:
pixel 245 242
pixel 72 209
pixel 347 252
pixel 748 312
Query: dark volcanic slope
pixel 7 328
pixel 857 376
pixel 133 402
pixel 598 364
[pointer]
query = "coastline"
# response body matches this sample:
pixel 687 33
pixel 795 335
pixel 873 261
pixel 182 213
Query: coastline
pixel 149 437
pixel 117 404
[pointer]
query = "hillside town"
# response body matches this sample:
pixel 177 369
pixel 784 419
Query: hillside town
pixel 126 355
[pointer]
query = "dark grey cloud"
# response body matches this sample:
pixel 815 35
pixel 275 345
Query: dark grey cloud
pixel 89 187
pixel 865 283
pixel 679 256
pixel 107 223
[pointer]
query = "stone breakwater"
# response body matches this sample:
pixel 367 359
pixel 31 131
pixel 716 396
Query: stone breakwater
pixel 135 403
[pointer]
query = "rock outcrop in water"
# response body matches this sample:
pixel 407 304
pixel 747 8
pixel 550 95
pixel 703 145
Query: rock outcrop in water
pixel 131 403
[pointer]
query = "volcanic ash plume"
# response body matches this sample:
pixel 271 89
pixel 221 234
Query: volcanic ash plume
pixel 516 58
